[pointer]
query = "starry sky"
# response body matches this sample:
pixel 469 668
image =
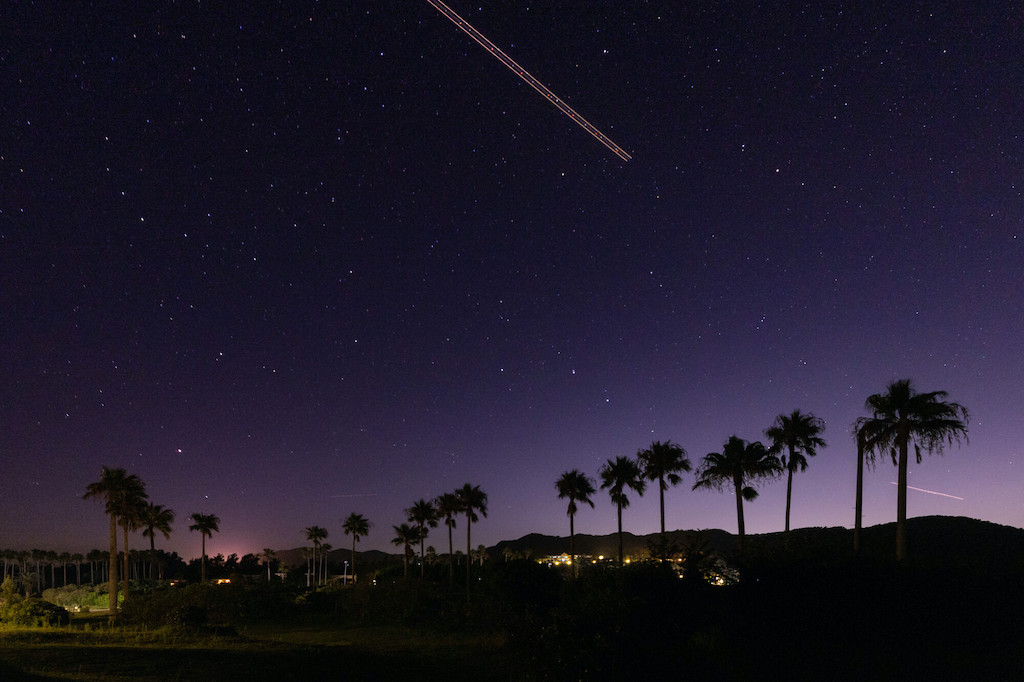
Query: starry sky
pixel 286 261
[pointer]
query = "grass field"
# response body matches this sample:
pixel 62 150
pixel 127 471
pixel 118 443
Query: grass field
pixel 88 650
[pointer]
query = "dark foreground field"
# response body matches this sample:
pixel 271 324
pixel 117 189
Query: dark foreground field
pixel 809 611
pixel 266 653
pixel 631 625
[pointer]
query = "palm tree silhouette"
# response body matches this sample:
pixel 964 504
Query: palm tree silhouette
pixel 357 526
pixel 448 507
pixel 794 436
pixel 859 500
pixel 472 500
pixel 899 416
pixel 405 536
pixel 207 525
pixel 315 534
pixel 118 490
pixel 155 517
pixel 268 556
pixel 662 462
pixel 577 487
pixel 424 515
pixel 617 475
pixel 740 463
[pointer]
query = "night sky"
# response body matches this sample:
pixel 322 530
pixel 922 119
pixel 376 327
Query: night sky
pixel 288 261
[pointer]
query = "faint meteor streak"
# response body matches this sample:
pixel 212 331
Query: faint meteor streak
pixel 930 492
pixel 512 66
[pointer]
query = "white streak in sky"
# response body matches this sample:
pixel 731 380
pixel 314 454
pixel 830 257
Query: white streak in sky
pixel 930 492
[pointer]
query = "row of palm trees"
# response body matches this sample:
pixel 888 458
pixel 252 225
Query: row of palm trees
pixel 17 564
pixel 355 525
pixel 899 416
pixel 425 514
pixel 127 504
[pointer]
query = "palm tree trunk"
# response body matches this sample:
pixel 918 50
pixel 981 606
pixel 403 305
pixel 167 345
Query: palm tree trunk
pixel 661 498
pixel 572 546
pixel 859 508
pixel 202 559
pixel 126 574
pixel 620 533
pixel 901 504
pixel 789 490
pixel 469 562
pixel 112 571
pixel 789 497
pixel 451 559
pixel 422 562
pixel 739 513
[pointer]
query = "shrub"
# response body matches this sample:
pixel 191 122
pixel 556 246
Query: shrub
pixel 186 617
pixel 34 612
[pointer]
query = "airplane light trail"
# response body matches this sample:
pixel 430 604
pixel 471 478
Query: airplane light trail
pixel 512 66
pixel 930 492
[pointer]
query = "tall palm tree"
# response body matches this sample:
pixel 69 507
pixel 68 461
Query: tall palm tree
pixel 741 464
pixel 472 500
pixel 315 534
pixel 795 437
pixel 207 525
pixel 156 517
pixel 405 537
pixel 577 487
pixel 268 555
pixel 899 416
pixel 424 515
pixel 357 526
pixel 448 507
pixel 618 475
pixel 118 490
pixel 859 500
pixel 662 462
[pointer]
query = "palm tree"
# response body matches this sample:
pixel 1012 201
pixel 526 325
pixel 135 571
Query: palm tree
pixel 207 525
pixel 448 506
pixel 315 534
pixel 357 526
pixel 405 536
pixel 78 558
pixel 662 462
pixel 325 554
pixel 899 416
pixel 472 500
pixel 268 555
pixel 130 519
pixel 156 517
pixel 618 475
pixel 859 503
pixel 118 490
pixel 740 463
pixel 95 557
pixel 577 487
pixel 424 515
pixel 794 436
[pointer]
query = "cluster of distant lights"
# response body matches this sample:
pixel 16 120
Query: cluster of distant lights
pixel 552 561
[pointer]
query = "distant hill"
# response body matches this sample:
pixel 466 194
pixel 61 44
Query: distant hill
pixel 951 540
pixel 336 557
